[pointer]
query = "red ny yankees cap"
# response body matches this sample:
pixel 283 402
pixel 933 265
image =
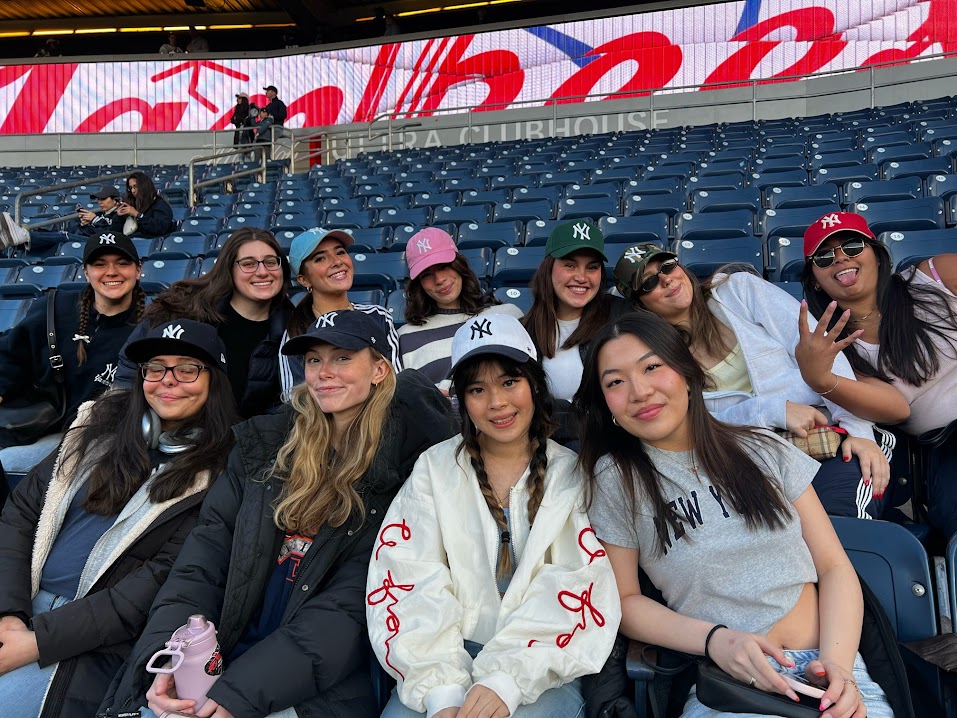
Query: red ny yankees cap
pixel 833 223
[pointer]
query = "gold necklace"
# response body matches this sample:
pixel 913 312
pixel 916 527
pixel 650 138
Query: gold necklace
pixel 503 502
pixel 867 316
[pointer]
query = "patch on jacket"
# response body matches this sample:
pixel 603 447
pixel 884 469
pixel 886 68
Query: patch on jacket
pixel 214 666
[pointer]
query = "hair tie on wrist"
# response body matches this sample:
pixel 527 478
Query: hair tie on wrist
pixel 708 639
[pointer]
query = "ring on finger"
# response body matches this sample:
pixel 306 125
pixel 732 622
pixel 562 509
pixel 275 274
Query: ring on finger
pixel 752 681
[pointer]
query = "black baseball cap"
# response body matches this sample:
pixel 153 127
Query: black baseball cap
pixel 109 242
pixel 106 191
pixel 348 329
pixel 267 88
pixel 180 337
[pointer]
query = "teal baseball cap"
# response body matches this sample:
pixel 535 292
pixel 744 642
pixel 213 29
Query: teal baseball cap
pixel 306 243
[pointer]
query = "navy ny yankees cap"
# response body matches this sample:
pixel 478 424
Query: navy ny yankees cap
pixel 180 337
pixel 348 329
pixel 500 334
pixel 109 243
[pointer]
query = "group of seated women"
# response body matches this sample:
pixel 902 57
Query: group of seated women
pixel 430 512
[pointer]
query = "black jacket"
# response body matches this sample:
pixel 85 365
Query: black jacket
pixel 91 636
pixel 157 220
pixel 109 221
pixel 277 110
pixel 318 659
pixel 25 356
pixel 262 383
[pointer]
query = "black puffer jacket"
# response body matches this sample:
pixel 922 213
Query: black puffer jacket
pixel 156 220
pixel 91 636
pixel 318 659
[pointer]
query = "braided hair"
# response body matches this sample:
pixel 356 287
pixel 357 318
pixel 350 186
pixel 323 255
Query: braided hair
pixel 87 298
pixel 539 430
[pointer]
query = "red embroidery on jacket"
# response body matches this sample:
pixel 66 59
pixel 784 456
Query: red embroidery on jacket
pixel 380 595
pixel 582 605
pixel 405 533
pixel 592 555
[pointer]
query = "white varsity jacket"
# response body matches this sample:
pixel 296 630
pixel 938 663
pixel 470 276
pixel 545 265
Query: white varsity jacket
pixel 432 585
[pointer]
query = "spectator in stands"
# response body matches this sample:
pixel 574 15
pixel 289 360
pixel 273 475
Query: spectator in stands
pixel 51 48
pixel 570 303
pixel 276 108
pixel 899 328
pixel 392 26
pixel 263 128
pixel 89 223
pixel 313 480
pixel 442 294
pixel 743 330
pixel 248 135
pixel 239 116
pixel 197 42
pixel 244 296
pixel 320 260
pixel 170 47
pixel 650 445
pixel 91 327
pixel 92 534
pixel 147 213
pixel 482 632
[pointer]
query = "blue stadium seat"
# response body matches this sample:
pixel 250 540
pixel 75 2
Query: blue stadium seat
pixel 353 220
pixel 850 158
pixel 481 260
pixel 367 296
pixel 943 186
pixel 205 265
pixel 182 244
pixel 220 211
pixel 918 168
pixel 521 297
pixel 909 248
pixel 159 274
pixel 718 182
pixel 552 193
pixel 796 197
pixel 902 215
pixel 437 199
pixel 402 201
pixel 478 184
pixel 471 214
pixel 396 307
pixel 792 222
pixel 725 200
pixel 785 260
pixel 511 182
pixel 524 211
pixel 70 249
pixel 883 190
pixel 715 225
pixel 491 196
pixel 841 175
pixel 514 266
pixel 790 178
pixel 420 216
pixel 203 225
pixel 630 230
pixel 34 279
pixel 12 311
pixel 538 231
pixel 286 233
pixel 639 203
pixel 370 239
pixel 703 258
pixel 795 289
pixel 238 221
pixel 495 236
pixel 900 153
pixel 352 204
pixel 386 271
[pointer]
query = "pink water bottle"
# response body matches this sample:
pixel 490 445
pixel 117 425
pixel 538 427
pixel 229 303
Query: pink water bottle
pixel 195 661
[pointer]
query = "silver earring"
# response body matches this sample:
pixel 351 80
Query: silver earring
pixel 615 421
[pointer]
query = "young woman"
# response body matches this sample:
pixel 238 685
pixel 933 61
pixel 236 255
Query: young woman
pixel 279 558
pixel 239 116
pixel 90 330
pixel 742 330
pixel 89 537
pixel 442 294
pixel 322 265
pixel 487 593
pixel 570 303
pixel 245 297
pixel 147 213
pixel 899 328
pixel 723 520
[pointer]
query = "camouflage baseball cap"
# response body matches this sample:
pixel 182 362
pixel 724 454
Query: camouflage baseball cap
pixel 632 265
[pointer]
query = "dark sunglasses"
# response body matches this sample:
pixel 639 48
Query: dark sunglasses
pixel 652 280
pixel 825 258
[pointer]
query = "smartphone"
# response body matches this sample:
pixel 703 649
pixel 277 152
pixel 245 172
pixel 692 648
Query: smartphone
pixel 801 685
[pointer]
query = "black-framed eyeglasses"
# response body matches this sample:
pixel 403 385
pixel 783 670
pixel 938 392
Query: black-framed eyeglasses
pixel 825 257
pixel 183 373
pixel 649 283
pixel 250 265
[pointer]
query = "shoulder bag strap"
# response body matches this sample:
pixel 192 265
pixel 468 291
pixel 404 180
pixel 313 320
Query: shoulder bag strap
pixel 56 359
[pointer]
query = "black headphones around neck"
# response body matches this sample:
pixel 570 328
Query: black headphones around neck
pixel 168 442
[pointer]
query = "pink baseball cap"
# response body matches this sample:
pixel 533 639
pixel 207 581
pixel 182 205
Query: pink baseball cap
pixel 833 223
pixel 428 247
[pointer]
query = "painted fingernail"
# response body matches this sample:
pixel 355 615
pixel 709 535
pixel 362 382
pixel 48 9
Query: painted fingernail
pixel 867 482
pixel 825 704
pixel 820 673
pixel 846 459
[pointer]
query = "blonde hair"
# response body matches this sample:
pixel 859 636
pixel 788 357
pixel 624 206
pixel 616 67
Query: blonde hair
pixel 318 483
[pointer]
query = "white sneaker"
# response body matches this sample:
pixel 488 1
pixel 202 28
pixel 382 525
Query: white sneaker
pixel 12 234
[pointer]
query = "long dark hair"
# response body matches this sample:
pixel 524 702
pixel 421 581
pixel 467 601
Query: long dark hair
pixel 125 465
pixel 704 327
pixel 419 306
pixel 146 193
pixel 87 297
pixel 717 446
pixel 542 319
pixel 539 430
pixel 199 299
pixel 906 340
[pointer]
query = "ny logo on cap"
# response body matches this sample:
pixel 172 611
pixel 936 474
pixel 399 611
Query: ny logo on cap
pixel 107 239
pixel 173 332
pixel 830 220
pixel 327 320
pixel 424 244
pixel 482 327
pixel 581 231
pixel 634 254
pixel 222 358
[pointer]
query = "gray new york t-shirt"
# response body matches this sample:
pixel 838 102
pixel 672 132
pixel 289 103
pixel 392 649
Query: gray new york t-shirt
pixel 726 573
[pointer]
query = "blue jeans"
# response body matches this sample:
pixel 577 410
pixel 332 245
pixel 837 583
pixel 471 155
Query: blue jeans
pixel 21 459
pixel 563 702
pixel 22 691
pixel 42 240
pixel 874 699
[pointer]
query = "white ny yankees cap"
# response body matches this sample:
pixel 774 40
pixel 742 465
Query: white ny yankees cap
pixel 348 329
pixel 180 337
pixel 500 334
